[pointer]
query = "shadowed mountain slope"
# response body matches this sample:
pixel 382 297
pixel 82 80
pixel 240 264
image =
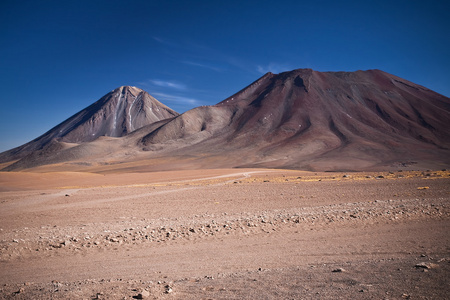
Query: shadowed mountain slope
pixel 116 114
pixel 302 119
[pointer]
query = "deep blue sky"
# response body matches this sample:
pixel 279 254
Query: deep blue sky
pixel 57 57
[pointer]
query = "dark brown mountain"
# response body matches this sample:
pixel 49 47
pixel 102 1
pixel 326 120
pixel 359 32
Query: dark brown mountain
pixel 305 119
pixel 116 114
pixel 300 119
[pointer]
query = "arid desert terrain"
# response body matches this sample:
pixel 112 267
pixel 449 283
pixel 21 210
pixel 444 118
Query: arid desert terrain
pixel 225 234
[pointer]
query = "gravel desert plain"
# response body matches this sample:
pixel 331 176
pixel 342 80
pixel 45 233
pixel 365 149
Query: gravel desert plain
pixel 225 234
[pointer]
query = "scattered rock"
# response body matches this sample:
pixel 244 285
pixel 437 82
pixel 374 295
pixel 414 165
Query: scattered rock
pixel 338 270
pixel 99 296
pixel 142 295
pixel 168 289
pixel 426 265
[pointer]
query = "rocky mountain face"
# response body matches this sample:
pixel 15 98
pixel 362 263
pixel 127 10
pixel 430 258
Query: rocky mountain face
pixel 116 114
pixel 305 119
pixel 302 119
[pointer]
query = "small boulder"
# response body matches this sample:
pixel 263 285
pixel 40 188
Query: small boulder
pixel 168 289
pixel 144 294
pixel 338 270
pixel 426 265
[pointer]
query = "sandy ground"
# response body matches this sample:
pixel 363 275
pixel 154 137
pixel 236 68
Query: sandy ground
pixel 225 234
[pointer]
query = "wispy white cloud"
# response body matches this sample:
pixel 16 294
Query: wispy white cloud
pixel 202 65
pixel 175 98
pixel 159 40
pixel 274 68
pixel 197 53
pixel 171 91
pixel 165 41
pixel 168 84
pixel 217 60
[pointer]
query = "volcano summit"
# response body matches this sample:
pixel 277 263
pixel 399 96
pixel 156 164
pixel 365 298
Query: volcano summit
pixel 302 119
pixel 116 114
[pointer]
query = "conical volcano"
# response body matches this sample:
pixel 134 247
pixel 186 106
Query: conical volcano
pixel 305 119
pixel 116 114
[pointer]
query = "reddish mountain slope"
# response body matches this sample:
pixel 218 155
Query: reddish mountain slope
pixel 316 120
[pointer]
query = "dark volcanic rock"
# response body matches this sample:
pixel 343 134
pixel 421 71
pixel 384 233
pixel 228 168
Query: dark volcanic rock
pixel 116 114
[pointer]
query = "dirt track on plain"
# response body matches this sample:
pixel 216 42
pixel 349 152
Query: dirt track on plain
pixel 220 234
